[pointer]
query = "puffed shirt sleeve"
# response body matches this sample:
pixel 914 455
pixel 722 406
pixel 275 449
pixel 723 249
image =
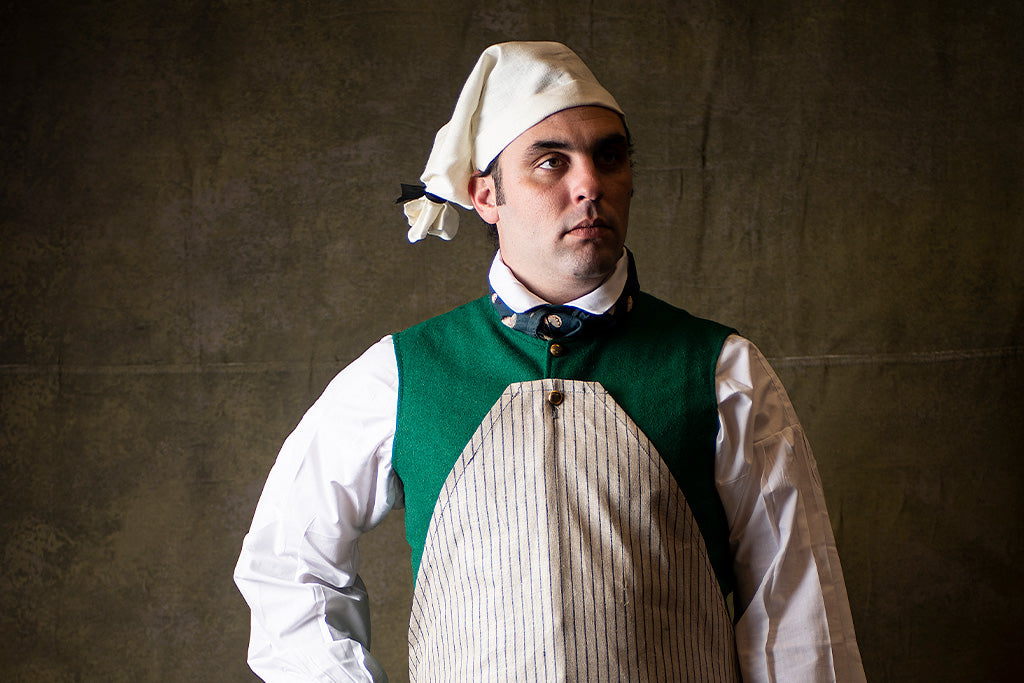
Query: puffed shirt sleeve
pixel 298 567
pixel 794 616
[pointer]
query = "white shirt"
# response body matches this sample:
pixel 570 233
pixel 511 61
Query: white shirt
pixel 333 481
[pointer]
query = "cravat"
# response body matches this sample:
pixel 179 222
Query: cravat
pixel 549 321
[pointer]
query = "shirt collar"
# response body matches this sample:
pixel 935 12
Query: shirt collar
pixel 517 297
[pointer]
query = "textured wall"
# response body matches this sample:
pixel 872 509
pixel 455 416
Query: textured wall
pixel 197 232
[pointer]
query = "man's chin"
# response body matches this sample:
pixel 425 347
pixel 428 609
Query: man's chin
pixel 594 267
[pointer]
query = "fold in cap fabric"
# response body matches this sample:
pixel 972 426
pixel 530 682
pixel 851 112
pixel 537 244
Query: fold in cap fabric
pixel 430 218
pixel 512 87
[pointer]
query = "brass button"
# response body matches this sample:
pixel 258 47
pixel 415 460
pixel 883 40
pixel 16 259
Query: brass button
pixel 555 398
pixel 556 350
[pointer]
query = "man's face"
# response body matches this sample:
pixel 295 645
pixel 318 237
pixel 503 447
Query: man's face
pixel 566 187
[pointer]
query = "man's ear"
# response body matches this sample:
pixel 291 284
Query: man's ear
pixel 484 196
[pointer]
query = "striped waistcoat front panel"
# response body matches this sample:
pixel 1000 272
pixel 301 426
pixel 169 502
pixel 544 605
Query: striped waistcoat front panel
pixel 562 549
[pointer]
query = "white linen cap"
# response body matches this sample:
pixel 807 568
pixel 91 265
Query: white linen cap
pixel 512 87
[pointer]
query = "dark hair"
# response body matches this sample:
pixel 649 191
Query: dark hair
pixel 494 170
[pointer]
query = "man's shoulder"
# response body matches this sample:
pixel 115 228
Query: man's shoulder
pixel 460 316
pixel 659 314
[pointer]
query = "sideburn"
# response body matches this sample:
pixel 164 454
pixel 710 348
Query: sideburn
pixel 494 170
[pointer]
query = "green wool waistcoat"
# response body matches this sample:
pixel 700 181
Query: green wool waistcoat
pixel 658 363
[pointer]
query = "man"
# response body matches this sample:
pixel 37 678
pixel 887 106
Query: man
pixel 587 471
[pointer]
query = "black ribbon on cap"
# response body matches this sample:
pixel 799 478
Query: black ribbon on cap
pixel 412 192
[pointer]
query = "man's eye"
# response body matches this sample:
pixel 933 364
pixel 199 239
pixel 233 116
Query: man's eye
pixel 550 163
pixel 610 157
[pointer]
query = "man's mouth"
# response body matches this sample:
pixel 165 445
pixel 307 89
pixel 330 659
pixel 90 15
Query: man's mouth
pixel 589 227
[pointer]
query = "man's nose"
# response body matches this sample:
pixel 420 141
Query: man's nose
pixel 588 183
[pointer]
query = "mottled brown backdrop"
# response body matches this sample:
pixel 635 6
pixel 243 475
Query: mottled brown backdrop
pixel 197 230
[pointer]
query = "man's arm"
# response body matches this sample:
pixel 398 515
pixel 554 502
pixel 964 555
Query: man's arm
pixel 331 482
pixel 794 621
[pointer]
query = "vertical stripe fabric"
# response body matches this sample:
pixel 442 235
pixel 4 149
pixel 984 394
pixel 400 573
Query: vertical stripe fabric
pixel 562 549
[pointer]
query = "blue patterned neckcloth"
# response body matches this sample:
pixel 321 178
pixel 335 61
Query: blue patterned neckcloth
pixel 561 322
